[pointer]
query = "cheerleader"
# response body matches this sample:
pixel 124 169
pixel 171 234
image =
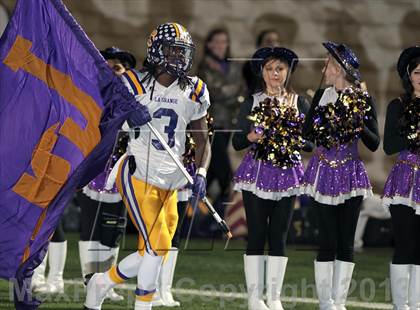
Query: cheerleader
pixel 103 217
pixel 402 189
pixel 336 177
pixel 269 177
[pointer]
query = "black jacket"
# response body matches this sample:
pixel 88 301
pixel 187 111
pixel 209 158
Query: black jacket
pixel 394 142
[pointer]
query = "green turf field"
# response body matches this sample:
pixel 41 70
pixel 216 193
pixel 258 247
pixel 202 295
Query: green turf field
pixel 206 274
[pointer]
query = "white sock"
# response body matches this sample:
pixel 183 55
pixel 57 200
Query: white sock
pixel 130 265
pixel 143 305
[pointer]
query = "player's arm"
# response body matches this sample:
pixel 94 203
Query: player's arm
pixel 201 138
pixel 202 158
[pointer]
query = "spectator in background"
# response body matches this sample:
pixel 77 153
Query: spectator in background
pixel 223 79
pixel 266 38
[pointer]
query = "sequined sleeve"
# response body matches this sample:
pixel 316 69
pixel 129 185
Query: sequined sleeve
pixel 370 133
pixel 309 119
pixel 303 106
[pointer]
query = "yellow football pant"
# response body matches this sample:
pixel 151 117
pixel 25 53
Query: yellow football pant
pixel 152 210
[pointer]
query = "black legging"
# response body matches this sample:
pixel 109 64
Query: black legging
pixel 406 228
pixel 111 220
pixel 220 168
pixel 59 234
pixel 267 218
pixel 337 227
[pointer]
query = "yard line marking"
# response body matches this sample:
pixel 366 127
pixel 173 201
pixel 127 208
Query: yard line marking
pixel 213 293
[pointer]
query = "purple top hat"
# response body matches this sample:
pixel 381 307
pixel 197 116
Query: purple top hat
pixel 345 57
pixel 123 56
pixel 406 56
pixel 284 54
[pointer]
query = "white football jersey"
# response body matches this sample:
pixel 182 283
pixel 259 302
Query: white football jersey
pixel 171 109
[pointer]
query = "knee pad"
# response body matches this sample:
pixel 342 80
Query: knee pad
pixel 112 228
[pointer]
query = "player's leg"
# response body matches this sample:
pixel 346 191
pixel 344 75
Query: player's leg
pixel 157 216
pixel 168 268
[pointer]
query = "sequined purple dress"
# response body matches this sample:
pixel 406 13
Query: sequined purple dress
pixel 335 175
pixel 403 183
pixel 267 181
pixel 96 190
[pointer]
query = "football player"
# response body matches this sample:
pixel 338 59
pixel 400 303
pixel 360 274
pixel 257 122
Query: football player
pixel 147 177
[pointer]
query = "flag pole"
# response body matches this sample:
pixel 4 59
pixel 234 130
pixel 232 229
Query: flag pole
pixel 190 180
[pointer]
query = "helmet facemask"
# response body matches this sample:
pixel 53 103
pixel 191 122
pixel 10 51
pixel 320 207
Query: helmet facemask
pixel 178 58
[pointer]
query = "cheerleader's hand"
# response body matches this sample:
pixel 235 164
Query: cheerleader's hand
pixel 255 135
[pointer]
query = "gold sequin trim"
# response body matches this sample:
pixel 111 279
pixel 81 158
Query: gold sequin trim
pixel 336 163
pixel 409 163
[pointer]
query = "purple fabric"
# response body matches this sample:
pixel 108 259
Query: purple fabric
pixel 98 184
pixel 404 177
pixel 267 177
pixel 349 174
pixel 27 108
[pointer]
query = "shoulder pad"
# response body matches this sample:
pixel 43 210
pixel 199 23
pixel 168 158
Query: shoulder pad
pixel 134 80
pixel 198 89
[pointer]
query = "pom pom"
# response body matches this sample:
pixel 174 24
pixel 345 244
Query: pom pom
pixel 281 125
pixel 342 121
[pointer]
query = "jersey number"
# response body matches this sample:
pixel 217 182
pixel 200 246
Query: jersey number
pixel 169 129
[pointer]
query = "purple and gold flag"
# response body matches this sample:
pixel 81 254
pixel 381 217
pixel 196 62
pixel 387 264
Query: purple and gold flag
pixel 60 108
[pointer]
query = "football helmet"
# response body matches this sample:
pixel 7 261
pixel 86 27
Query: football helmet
pixel 170 46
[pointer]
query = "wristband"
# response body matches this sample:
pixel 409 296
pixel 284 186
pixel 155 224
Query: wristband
pixel 202 171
